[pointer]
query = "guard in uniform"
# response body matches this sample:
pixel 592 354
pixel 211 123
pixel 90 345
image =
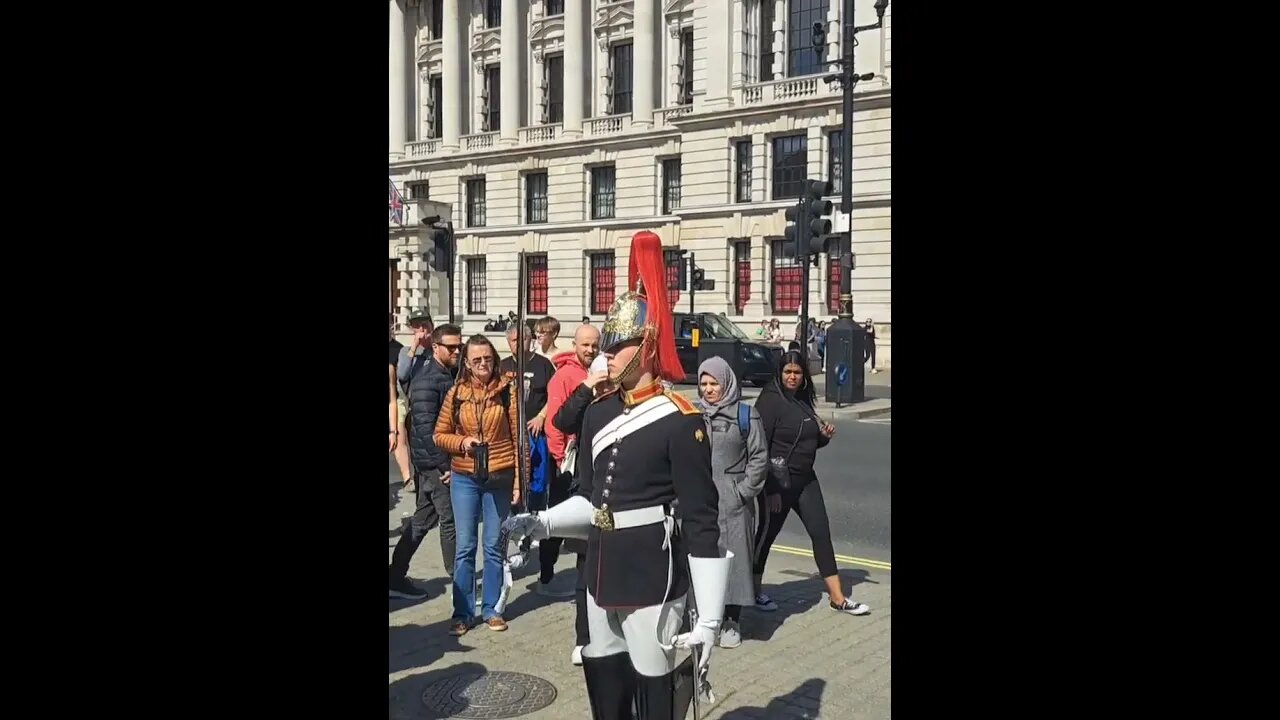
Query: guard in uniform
pixel 644 456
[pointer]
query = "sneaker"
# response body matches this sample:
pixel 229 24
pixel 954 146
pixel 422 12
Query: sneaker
pixel 496 623
pixel 405 589
pixel 765 603
pixel 576 657
pixel 851 607
pixel 730 635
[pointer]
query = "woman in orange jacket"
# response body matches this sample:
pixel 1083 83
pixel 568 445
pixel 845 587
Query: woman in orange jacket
pixel 477 427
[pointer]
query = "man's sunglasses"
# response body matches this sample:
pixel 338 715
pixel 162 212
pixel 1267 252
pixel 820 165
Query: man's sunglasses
pixel 451 347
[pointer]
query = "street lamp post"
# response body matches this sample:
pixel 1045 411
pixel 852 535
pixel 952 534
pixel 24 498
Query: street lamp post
pixel 845 336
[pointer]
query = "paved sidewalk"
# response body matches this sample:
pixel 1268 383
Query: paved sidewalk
pixel 803 661
pixel 878 402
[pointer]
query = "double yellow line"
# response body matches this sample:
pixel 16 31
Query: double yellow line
pixel 846 559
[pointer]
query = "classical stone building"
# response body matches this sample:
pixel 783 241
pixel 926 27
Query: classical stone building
pixel 562 127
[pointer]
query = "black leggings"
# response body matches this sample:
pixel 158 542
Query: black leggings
pixel 805 497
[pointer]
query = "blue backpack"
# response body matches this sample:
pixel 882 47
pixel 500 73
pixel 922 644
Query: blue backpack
pixel 744 419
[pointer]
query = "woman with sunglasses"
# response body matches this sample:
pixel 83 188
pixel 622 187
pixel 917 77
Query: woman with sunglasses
pixel 794 435
pixel 477 427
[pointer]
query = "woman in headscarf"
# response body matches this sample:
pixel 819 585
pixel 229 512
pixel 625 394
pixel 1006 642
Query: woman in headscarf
pixel 739 464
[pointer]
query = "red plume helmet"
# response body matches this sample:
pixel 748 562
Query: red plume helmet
pixel 643 311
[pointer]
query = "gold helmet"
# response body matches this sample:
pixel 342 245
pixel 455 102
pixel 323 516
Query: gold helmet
pixel 643 312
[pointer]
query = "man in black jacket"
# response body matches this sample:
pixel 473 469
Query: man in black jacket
pixel 430 464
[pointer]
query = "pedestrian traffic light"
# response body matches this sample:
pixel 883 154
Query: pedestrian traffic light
pixel 797 223
pixel 681 279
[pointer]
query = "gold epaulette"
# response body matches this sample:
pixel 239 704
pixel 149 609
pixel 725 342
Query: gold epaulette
pixel 682 403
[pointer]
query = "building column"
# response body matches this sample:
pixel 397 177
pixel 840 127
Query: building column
pixel 511 55
pixel 574 47
pixel 645 49
pixel 779 31
pixel 714 46
pixel 452 46
pixel 396 89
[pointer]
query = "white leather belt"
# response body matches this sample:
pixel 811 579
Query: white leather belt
pixel 623 519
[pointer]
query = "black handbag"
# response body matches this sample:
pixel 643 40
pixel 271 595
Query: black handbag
pixel 780 467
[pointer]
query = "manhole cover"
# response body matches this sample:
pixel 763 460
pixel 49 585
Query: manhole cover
pixel 488 695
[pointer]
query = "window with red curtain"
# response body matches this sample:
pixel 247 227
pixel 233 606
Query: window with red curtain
pixel 786 280
pixel 602 279
pixel 672 259
pixel 741 275
pixel 536 271
pixel 833 284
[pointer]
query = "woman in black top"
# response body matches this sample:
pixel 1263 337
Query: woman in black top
pixel 795 434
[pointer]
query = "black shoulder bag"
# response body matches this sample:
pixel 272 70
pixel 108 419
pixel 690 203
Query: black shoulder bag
pixel 780 467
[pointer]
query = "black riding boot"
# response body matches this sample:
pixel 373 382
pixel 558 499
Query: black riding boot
pixel 610 686
pixel 656 698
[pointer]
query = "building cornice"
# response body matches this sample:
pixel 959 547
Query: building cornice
pixel 620 142
pixel 874 100
pixel 650 221
pixel 647 221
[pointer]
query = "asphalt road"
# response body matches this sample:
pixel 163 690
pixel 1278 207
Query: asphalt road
pixel 854 471
pixel 855 474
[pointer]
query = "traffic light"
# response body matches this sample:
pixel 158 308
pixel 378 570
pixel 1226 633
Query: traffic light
pixel 820 39
pixel 815 208
pixel 681 280
pixel 797 223
pixel 700 281
pixel 442 246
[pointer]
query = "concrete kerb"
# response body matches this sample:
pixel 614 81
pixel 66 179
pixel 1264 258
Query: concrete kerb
pixel 874 407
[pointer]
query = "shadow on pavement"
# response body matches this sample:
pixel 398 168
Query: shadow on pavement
pixel 795 597
pixel 434 587
pixel 405 697
pixel 418 646
pixel 529 601
pixel 804 701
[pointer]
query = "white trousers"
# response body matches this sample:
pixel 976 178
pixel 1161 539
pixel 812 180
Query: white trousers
pixel 642 633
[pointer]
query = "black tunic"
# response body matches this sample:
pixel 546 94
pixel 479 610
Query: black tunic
pixel 654 453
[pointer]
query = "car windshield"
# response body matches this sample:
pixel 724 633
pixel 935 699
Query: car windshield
pixel 723 328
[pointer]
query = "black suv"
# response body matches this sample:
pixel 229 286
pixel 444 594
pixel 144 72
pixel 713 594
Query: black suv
pixel 759 361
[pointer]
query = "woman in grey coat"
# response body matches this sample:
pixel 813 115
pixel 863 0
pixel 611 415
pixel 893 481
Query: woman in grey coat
pixel 739 463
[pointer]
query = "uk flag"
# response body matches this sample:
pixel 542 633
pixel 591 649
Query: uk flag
pixel 395 204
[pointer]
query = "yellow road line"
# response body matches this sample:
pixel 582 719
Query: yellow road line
pixel 804 552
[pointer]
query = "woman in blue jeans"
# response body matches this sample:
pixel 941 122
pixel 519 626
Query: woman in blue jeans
pixel 479 410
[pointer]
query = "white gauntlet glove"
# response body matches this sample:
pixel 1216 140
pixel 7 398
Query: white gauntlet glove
pixel 527 525
pixel 569 519
pixel 710 580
